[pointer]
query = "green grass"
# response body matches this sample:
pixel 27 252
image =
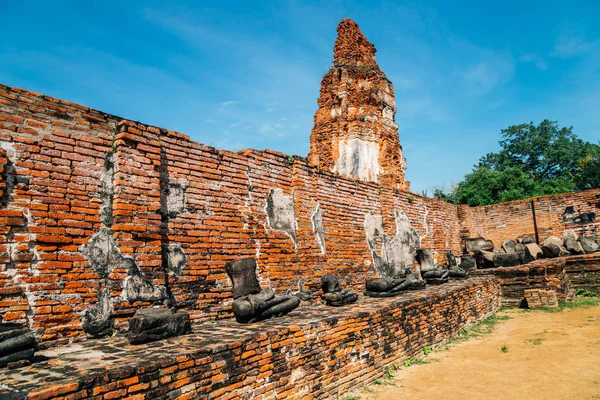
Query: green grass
pixel 536 341
pixel 586 293
pixel 482 328
pixel 415 361
pixel 504 349
pixel 578 302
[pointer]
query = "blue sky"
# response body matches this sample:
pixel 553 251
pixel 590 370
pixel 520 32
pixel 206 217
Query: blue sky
pixel 246 74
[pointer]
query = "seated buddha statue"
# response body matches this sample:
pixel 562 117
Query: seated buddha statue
pixel 250 302
pixel 432 273
pixel 334 294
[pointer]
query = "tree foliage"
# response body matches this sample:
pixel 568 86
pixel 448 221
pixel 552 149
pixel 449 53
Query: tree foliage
pixel 588 170
pixel 533 161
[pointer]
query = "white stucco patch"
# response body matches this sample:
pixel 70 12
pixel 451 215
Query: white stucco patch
pixel 358 158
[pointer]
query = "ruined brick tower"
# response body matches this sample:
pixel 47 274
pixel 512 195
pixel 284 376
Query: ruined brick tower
pixel 354 133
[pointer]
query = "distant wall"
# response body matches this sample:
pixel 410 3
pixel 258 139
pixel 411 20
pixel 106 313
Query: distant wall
pixel 111 215
pixel 554 214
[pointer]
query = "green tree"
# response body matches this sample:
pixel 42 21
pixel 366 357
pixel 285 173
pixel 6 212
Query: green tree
pixel 533 161
pixel 588 170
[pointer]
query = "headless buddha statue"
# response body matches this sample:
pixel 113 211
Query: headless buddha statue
pixel 334 295
pixel 250 303
pixel 432 273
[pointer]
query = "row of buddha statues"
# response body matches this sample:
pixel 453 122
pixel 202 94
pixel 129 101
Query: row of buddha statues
pixel 252 303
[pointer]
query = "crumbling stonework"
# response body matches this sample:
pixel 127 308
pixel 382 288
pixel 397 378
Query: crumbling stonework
pixel 539 299
pixel 175 258
pixel 102 217
pixel 281 214
pixel 317 224
pixel 137 287
pixel 354 132
pixel 102 252
pixel 391 255
pixel 98 321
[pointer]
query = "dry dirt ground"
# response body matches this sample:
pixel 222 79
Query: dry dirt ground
pixel 532 355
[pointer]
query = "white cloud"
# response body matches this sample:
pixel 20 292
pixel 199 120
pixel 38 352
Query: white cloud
pixel 535 59
pixel 226 104
pixel 271 130
pixel 266 128
pixel 483 77
pixel 570 46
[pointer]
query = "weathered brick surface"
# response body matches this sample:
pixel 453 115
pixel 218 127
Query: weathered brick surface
pixel 54 152
pixel 506 221
pixel 315 352
pixel 514 281
pixel 57 151
pixel 584 272
pixel 3 166
pixel 354 131
pixel 563 276
pixel 539 299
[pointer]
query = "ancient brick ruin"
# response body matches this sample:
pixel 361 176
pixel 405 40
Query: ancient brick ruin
pixel 103 216
pixel 355 133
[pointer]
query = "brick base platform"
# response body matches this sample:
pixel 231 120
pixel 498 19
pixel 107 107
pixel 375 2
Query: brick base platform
pixel 562 275
pixel 315 352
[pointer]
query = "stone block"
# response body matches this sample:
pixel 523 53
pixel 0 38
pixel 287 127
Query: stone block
pixel 539 298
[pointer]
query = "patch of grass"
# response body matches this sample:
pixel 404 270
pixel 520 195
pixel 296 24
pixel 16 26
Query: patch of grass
pixel 426 350
pixel 415 361
pixel 586 293
pixel 377 381
pixel 487 325
pixel 504 349
pixel 351 398
pixel 420 361
pixel 578 302
pixel 536 341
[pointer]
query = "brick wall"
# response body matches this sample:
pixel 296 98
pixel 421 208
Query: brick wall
pixel 169 192
pixel 579 211
pixel 55 152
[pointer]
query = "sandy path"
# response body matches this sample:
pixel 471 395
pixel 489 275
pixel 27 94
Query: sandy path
pixel 549 356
